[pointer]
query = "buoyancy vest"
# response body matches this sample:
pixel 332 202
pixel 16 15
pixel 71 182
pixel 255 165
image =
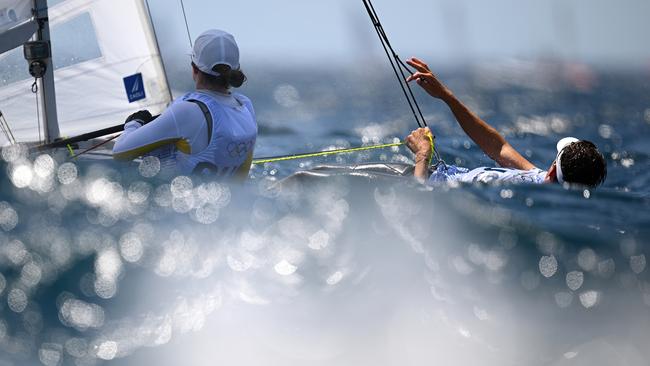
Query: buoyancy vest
pixel 232 132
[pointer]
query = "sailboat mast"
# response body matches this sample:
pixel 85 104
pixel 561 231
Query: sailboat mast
pixel 46 83
pixel 157 44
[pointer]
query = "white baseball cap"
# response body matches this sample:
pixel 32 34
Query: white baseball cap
pixel 215 47
pixel 561 145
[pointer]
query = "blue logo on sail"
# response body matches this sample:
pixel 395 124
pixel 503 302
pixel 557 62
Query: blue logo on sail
pixel 134 87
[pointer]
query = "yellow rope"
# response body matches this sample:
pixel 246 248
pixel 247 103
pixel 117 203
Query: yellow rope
pixel 333 152
pixel 323 153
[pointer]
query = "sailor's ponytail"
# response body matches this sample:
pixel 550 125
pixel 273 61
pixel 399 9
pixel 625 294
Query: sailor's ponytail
pixel 229 77
pixel 236 78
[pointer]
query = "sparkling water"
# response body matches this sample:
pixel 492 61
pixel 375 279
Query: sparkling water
pixel 104 261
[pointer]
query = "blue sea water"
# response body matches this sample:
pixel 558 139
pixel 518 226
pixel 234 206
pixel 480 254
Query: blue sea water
pixel 106 262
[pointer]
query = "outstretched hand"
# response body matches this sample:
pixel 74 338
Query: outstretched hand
pixel 425 78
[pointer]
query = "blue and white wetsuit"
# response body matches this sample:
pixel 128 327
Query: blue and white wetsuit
pixel 186 142
pixel 453 173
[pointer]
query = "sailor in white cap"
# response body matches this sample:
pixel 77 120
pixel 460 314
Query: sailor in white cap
pixel 209 131
pixel 576 162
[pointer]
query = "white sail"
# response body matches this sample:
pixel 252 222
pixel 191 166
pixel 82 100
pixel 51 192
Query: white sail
pixel 96 44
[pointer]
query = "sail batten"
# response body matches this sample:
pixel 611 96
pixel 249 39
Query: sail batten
pixel 13 13
pixel 16 24
pixel 16 36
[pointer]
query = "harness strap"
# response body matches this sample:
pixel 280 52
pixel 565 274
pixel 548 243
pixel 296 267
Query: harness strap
pixel 207 114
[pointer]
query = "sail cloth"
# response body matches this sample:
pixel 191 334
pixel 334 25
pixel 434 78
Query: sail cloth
pixel 96 44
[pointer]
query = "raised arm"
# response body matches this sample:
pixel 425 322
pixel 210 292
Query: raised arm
pixel 485 136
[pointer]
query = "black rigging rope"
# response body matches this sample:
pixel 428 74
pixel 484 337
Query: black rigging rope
pixel 399 67
pixel 187 26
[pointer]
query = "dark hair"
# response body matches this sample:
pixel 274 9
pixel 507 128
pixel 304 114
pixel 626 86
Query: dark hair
pixel 582 163
pixel 227 77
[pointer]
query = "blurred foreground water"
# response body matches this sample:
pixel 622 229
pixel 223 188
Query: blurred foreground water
pixel 108 262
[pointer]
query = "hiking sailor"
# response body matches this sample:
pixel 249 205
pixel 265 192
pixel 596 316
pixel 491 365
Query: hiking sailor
pixel 577 162
pixel 211 130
